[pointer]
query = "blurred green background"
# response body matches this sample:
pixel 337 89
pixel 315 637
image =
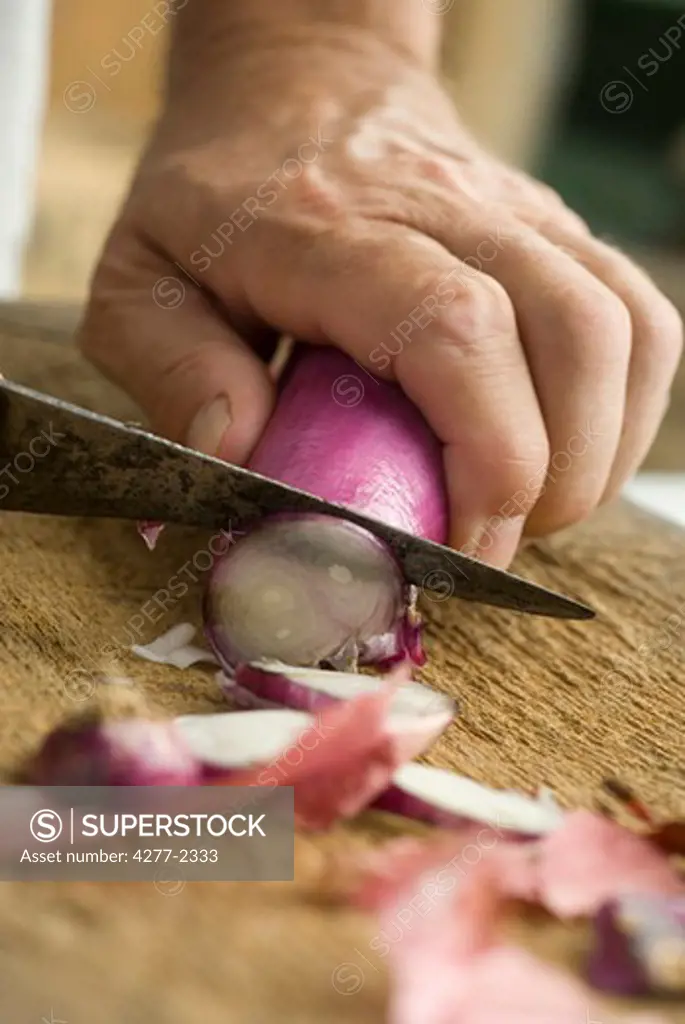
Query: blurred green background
pixel 617 152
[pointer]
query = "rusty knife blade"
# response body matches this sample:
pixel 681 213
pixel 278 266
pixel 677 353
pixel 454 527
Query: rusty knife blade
pixel 58 459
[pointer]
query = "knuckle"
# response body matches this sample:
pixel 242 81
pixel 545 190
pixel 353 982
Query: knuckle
pixel 315 192
pixel 480 309
pixel 605 314
pixel 432 168
pixel 663 338
pixel 601 325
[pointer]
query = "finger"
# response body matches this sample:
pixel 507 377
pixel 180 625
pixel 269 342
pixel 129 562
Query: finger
pixel 576 333
pixel 151 331
pixel 577 337
pixel 657 330
pixel 401 305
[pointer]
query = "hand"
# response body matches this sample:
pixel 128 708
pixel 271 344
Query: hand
pixel 322 186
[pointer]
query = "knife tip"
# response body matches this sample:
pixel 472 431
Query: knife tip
pixel 570 609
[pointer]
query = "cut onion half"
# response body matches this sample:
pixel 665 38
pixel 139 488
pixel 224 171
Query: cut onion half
pixel 417 715
pixel 440 797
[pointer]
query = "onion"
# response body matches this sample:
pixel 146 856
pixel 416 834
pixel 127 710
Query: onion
pixel 417 714
pixel 338 764
pixel 442 798
pixel 125 752
pixel 235 740
pixel 415 717
pixel 309 589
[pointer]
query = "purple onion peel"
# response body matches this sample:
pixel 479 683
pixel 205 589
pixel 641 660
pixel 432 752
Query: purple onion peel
pixel 150 530
pixel 356 441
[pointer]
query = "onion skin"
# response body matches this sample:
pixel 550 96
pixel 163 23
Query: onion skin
pixel 376 455
pixel 127 752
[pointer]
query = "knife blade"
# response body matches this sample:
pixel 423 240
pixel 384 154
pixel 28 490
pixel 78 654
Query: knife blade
pixel 59 459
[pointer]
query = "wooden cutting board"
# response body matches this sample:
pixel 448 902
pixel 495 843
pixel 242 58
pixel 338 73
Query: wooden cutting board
pixel 561 704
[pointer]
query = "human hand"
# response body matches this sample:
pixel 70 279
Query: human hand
pixel 321 185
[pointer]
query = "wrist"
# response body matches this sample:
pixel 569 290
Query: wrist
pixel 211 31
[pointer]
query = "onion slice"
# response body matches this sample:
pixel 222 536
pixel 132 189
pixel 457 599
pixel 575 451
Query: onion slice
pixel 233 740
pixel 440 797
pixel 417 714
pixel 337 766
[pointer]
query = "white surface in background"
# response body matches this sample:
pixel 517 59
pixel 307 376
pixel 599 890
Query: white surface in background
pixel 660 493
pixel 24 38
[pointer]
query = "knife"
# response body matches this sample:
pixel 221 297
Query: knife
pixel 59 459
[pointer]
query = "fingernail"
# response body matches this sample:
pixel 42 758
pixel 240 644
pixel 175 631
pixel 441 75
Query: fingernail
pixel 207 430
pixel 496 540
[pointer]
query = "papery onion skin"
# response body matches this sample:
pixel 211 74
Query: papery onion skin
pixel 376 455
pixel 127 752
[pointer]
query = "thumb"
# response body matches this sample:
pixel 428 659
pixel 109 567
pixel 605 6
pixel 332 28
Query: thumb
pixel 153 332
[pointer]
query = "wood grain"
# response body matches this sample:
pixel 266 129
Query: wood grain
pixel 541 702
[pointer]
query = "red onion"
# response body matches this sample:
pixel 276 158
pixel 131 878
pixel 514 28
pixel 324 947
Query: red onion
pixel 235 740
pixel 306 589
pixel 440 797
pixel 417 714
pixel 125 752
